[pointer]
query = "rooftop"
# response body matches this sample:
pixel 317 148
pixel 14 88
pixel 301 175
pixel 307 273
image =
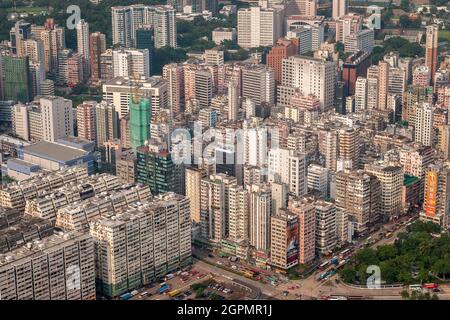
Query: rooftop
pixel 54 151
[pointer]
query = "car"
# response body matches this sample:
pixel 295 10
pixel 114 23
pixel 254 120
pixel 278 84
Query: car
pixel 210 255
pixel 219 263
pixel 285 293
pixel 187 293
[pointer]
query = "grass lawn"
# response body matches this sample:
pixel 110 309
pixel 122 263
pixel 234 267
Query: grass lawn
pixel 444 35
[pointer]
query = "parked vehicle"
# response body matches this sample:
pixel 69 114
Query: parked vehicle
pixel 126 296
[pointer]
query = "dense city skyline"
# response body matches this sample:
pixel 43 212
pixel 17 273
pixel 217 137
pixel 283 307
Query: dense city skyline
pixel 225 150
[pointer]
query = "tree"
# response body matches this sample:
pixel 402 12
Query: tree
pixel 386 252
pixel 441 267
pixel 404 21
pixel 367 256
pixel 199 292
pixel 404 4
pixel 166 55
pixel 405 295
pixel 349 275
pixel 416 253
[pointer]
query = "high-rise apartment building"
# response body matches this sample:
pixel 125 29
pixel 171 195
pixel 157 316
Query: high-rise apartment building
pixel 340 8
pixel 423 124
pixel 359 195
pixel 106 65
pixel 284 240
pixel 194 178
pixel 259 27
pixel 54 41
pixel 142 243
pixel 437 193
pixel 127 19
pixel 122 26
pixel 431 49
pixel 165 27
pixel 16 78
pixel 361 87
pixel 281 50
pixel 203 84
pixel 238 217
pixel 421 76
pixel 106 123
pixel 310 76
pixel 19 33
pixel 131 63
pixel 319 180
pixel 57 118
pixel 117 92
pixel 215 206
pixel 83 47
pixel 260 211
pixel 289 167
pixel 87 121
pixel 391 182
pixel 349 148
pixel 306 214
pixel 97 45
pixel 258 84
pixel 56 267
pixel 362 40
pixel 326 239
pixel 174 75
pixel 156 169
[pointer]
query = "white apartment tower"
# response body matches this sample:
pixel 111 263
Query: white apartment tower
pixel 423 125
pixel 122 26
pixel 258 84
pixel 361 94
pixel 259 27
pixel 260 213
pixel 311 76
pixel 233 101
pixel 340 8
pixel 131 63
pixel 57 118
pixel 165 26
pixel 83 45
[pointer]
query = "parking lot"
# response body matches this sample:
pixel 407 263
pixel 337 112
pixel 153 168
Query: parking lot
pixel 183 285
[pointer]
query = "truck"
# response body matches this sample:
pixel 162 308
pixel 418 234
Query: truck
pixel 126 296
pixel 335 261
pixel 430 286
pixel 174 293
pixel 324 265
pixel 415 287
pixel 341 264
pixel 164 288
pixel 323 276
pixel 169 276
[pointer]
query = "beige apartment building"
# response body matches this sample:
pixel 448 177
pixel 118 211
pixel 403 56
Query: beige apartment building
pixel 284 240
pixel 142 243
pixel 58 267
